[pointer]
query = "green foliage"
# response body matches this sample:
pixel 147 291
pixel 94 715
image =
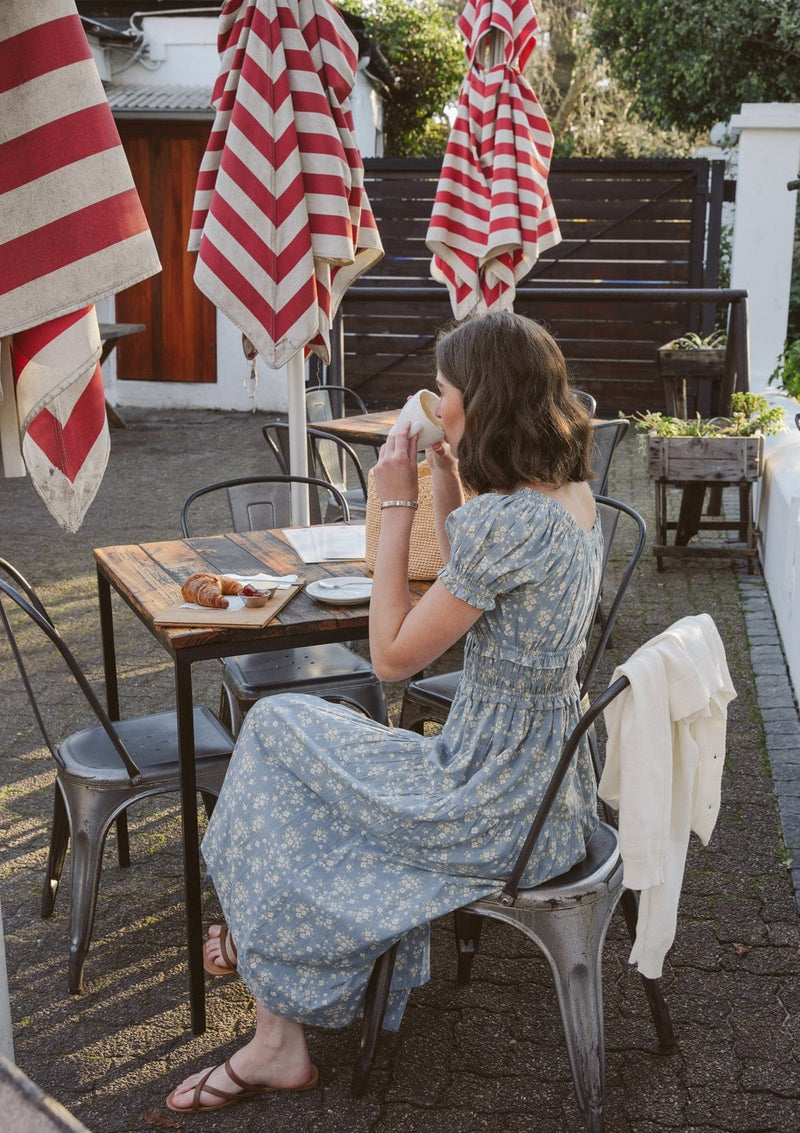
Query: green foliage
pixel 750 414
pixel 591 115
pixel 692 341
pixel 786 375
pixel 426 52
pixel 691 63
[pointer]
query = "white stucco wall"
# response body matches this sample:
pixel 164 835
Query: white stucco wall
pixel 761 257
pixel 183 51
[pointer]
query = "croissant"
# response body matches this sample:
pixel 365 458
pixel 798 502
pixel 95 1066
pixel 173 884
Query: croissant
pixel 208 590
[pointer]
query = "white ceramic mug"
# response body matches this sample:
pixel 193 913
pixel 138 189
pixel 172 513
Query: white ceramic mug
pixel 420 411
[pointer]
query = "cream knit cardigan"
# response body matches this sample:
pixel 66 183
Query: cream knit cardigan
pixel 663 769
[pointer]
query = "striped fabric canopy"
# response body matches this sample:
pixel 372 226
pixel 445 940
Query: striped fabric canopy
pixel 492 215
pixel 281 220
pixel 72 231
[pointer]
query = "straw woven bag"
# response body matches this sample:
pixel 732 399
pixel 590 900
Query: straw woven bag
pixel 424 560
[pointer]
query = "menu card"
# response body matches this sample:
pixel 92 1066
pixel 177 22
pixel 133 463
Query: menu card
pixel 329 542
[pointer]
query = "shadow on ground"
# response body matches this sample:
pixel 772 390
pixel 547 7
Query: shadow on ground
pixel 465 1059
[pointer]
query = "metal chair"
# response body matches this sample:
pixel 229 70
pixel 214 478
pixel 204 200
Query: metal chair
pixel 607 435
pixel 329 457
pixel 588 400
pixel 332 671
pixel 430 698
pixel 102 769
pixel 327 402
pixel 567 918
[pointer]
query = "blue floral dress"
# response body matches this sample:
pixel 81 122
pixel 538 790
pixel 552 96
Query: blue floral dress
pixel 335 836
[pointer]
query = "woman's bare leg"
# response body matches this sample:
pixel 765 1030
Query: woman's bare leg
pixel 275 1056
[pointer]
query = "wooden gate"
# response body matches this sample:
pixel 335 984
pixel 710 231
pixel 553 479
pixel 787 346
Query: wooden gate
pixel 633 225
pixel 179 343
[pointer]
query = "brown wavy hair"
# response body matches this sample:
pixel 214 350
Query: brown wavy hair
pixel 522 420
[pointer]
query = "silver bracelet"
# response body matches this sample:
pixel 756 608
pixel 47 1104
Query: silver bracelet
pixel 400 503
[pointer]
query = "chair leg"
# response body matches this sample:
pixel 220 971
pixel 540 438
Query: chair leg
pixel 468 937
pixel 59 840
pixel 375 1001
pixel 91 821
pixel 209 802
pixel 412 717
pixel 573 944
pixel 652 988
pixel 123 843
pixel 224 712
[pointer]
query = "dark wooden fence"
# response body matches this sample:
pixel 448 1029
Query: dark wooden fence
pixel 630 230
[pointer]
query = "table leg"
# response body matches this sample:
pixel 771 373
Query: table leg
pixel 109 651
pixel 691 512
pixel 191 849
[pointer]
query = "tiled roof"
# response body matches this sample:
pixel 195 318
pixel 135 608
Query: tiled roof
pixel 167 100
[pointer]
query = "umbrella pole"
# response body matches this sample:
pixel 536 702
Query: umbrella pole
pixel 298 445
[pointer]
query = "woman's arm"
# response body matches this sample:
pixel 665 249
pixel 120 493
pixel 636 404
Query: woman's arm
pixel 404 639
pixel 448 492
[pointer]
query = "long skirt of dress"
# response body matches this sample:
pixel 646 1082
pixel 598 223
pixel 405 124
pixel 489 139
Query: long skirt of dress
pixel 336 836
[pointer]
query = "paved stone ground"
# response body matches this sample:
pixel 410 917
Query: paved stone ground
pixel 465 1060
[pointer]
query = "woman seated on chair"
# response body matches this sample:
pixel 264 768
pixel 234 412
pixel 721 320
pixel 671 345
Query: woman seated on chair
pixel 335 836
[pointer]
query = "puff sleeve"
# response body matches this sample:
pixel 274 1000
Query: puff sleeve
pixel 496 544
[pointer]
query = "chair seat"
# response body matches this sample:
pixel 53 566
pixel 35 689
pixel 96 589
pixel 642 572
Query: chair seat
pixel 259 674
pixel 152 742
pixel 602 858
pixel 439 689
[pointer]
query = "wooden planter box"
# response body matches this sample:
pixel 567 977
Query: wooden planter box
pixel 730 460
pixel 702 369
pixel 702 363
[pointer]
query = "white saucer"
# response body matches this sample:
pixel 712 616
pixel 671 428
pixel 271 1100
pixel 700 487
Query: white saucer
pixel 349 590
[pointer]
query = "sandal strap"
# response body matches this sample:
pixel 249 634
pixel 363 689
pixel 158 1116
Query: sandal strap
pixel 229 957
pixel 245 1087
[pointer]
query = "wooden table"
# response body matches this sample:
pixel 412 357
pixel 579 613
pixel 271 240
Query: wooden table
pixel 361 428
pixel 110 334
pixel 147 577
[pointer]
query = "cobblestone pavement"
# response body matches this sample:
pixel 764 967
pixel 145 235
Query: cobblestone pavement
pixel 466 1059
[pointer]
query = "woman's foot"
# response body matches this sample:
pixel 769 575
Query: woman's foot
pixel 275 1059
pixel 219 952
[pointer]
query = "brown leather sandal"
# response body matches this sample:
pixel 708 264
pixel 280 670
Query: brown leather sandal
pixel 246 1090
pixel 226 947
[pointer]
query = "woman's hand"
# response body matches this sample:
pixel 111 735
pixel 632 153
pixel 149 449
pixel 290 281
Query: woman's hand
pixel 441 459
pixel 396 475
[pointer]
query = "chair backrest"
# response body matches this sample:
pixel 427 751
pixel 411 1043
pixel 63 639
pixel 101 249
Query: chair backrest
pixel 259 503
pixel 610 512
pixel 607 435
pixel 25 599
pixel 329 457
pixel 585 725
pixel 587 399
pixel 327 402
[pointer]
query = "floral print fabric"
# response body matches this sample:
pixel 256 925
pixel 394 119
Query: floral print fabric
pixel 336 836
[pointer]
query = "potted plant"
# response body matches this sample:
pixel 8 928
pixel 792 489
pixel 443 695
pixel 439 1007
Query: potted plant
pixel 723 449
pixel 691 358
pixel 699 454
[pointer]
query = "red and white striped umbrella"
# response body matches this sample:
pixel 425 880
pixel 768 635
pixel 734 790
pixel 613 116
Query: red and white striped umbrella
pixel 492 215
pixel 72 231
pixel 281 220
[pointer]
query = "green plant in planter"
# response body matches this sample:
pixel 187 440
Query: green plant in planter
pixel 750 414
pixel 692 341
pixel 786 375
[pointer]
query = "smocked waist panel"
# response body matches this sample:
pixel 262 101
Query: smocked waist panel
pixel 548 674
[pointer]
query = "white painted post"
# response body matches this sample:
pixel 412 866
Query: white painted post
pixel 6 1033
pixel 298 443
pixel 763 230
